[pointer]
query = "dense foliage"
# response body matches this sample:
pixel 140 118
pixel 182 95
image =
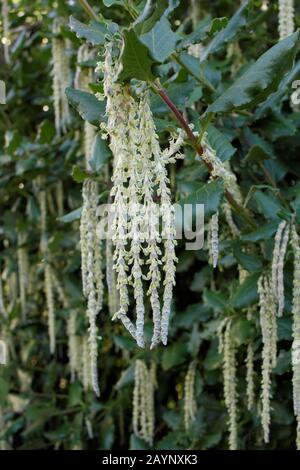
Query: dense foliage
pixel 237 87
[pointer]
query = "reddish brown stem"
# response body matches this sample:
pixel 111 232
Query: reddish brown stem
pixel 183 123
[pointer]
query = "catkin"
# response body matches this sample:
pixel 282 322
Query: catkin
pixel 48 284
pixel 250 376
pixel 92 279
pixel 84 76
pixel 286 25
pixel 23 270
pixel 190 407
pixel 143 414
pixel 215 239
pixel 280 247
pixel 229 377
pixel 269 338
pixel 60 77
pixel 296 331
pixel 6 34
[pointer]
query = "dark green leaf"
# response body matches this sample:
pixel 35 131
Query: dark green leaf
pixel 94 32
pixel 209 194
pixel 227 34
pixel 246 294
pixel 71 216
pixel 100 153
pixel 160 40
pixel 250 262
pixel 87 105
pixel 135 60
pixel 261 79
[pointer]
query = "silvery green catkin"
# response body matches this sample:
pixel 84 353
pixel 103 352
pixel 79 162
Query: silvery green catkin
pixel 22 272
pixel 286 25
pixel 280 246
pixel 60 77
pixel 190 407
pixel 269 338
pixel 2 301
pixel 250 376
pixel 143 419
pixel 296 331
pixel 48 284
pixel 214 230
pixel 83 77
pixel 92 279
pixel 229 377
pixel 6 33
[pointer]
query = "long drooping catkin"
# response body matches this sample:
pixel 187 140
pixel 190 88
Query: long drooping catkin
pixel 22 271
pixel 6 33
pixel 214 227
pixel 48 280
pixel 296 331
pixel 269 337
pixel 92 279
pixel 143 419
pixel 60 77
pixel 83 77
pixel 286 25
pixel 280 247
pixel 250 376
pixel 229 377
pixel 190 407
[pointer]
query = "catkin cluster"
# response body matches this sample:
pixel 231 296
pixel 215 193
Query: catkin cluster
pixel 227 346
pixel 286 24
pixel 250 376
pixel 92 278
pixel 268 325
pixel 60 77
pixel 296 331
pixel 190 407
pixel 139 179
pixel 143 415
pixel 280 247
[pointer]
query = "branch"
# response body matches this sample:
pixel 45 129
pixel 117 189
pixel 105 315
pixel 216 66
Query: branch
pixel 183 123
pixel 89 10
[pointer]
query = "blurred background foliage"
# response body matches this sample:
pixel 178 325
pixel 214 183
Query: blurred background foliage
pixel 40 406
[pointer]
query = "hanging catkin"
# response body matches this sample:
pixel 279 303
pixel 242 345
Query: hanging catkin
pixel 113 297
pixel 6 34
pixel 229 377
pixel 48 284
pixel 296 331
pixel 286 24
pixel 250 376
pixel 190 407
pixel 214 230
pixel 60 77
pixel 139 177
pixel 280 246
pixel 22 271
pixel 143 414
pixel 83 77
pixel 92 279
pixel 269 338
